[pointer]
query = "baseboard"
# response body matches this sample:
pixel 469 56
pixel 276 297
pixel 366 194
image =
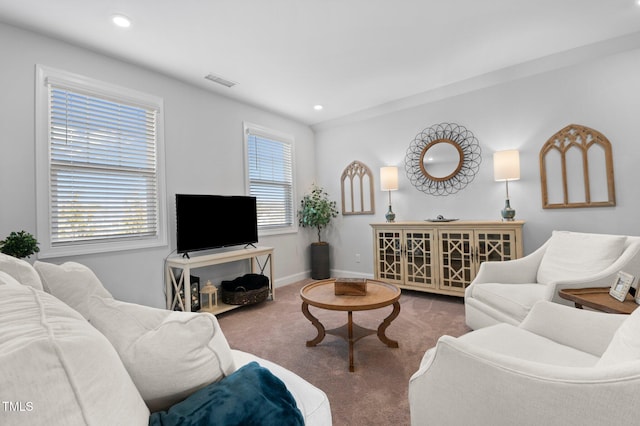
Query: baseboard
pixel 290 279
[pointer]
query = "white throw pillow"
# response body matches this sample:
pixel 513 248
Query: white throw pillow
pixel 21 270
pixel 168 354
pixel 72 283
pixel 625 345
pixel 56 369
pixel 575 255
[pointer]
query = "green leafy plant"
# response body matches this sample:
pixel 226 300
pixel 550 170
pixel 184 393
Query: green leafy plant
pixel 316 210
pixel 19 244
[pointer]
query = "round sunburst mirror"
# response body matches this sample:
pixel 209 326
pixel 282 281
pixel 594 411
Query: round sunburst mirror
pixel 443 159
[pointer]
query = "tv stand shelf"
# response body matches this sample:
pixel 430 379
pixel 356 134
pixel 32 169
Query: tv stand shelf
pixel 176 281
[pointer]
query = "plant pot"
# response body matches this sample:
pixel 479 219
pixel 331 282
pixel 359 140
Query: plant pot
pixel 320 266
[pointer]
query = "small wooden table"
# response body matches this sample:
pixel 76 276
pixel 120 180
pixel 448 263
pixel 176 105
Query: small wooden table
pixel 321 294
pixel 598 298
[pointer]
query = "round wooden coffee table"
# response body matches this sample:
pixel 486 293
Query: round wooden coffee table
pixel 321 294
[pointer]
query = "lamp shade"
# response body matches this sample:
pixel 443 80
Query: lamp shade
pixel 506 165
pixel 389 178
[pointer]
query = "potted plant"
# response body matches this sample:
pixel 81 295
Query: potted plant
pixel 19 244
pixel 316 211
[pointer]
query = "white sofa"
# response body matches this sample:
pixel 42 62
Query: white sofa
pixel 93 360
pixel 506 291
pixel 560 366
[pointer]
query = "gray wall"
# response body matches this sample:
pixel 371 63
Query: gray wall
pixel 603 94
pixel 204 154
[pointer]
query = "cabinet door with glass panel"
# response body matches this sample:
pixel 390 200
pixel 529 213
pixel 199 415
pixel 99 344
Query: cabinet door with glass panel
pixel 463 250
pixel 420 256
pixel 406 257
pixel 388 255
pixel 457 260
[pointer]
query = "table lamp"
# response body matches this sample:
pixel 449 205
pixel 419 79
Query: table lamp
pixel 506 167
pixel 389 182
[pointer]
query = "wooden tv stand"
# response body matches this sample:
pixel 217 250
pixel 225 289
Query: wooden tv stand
pixel 182 281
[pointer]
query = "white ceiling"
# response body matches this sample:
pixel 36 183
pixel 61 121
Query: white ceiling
pixel 348 55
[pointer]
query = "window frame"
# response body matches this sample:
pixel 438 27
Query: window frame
pixel 88 86
pixel 255 129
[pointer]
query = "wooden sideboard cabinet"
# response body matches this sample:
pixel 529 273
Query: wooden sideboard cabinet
pixel 441 257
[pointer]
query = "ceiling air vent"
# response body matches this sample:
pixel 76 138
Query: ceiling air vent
pixel 220 80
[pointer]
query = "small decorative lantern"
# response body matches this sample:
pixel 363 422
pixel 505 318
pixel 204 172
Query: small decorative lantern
pixel 211 302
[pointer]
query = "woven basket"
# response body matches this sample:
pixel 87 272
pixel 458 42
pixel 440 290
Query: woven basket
pixel 244 297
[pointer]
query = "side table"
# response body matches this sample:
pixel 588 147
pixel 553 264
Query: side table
pixel 598 298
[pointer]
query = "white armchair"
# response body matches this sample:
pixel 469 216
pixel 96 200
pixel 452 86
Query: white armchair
pixel 561 366
pixel 506 291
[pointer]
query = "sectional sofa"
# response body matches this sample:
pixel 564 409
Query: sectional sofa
pixel 70 354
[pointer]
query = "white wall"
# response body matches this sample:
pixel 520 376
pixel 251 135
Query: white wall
pixel 521 114
pixel 204 154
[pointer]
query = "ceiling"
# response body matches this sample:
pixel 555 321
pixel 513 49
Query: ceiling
pixel 347 55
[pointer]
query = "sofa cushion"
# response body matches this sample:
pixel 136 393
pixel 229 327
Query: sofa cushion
pixel 8 280
pixel 58 370
pixel 249 396
pixel 21 270
pixel 71 282
pixel 507 339
pixel 515 300
pixel 572 255
pixel 625 344
pixel 168 354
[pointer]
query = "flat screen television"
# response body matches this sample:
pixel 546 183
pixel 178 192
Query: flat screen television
pixel 212 221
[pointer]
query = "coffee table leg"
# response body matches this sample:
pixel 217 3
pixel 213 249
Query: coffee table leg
pixel 351 342
pixel 387 321
pixel 316 323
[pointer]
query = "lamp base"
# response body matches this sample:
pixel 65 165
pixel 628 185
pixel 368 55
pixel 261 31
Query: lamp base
pixel 390 216
pixel 508 213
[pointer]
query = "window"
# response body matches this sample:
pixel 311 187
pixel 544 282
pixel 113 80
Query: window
pixel 269 167
pixel 99 180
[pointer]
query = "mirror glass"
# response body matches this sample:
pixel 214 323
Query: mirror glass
pixel 442 159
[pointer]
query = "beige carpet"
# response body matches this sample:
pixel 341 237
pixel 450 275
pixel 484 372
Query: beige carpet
pixel 376 393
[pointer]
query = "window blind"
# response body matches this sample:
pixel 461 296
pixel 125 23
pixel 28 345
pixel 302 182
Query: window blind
pixel 103 168
pixel 270 172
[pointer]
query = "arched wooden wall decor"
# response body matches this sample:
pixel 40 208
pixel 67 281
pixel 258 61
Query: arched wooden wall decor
pixel 357 194
pixel 576 169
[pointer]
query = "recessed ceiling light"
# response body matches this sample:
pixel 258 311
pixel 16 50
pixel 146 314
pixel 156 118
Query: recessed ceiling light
pixel 121 21
pixel 318 107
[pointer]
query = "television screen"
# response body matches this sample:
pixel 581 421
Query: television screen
pixel 212 221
